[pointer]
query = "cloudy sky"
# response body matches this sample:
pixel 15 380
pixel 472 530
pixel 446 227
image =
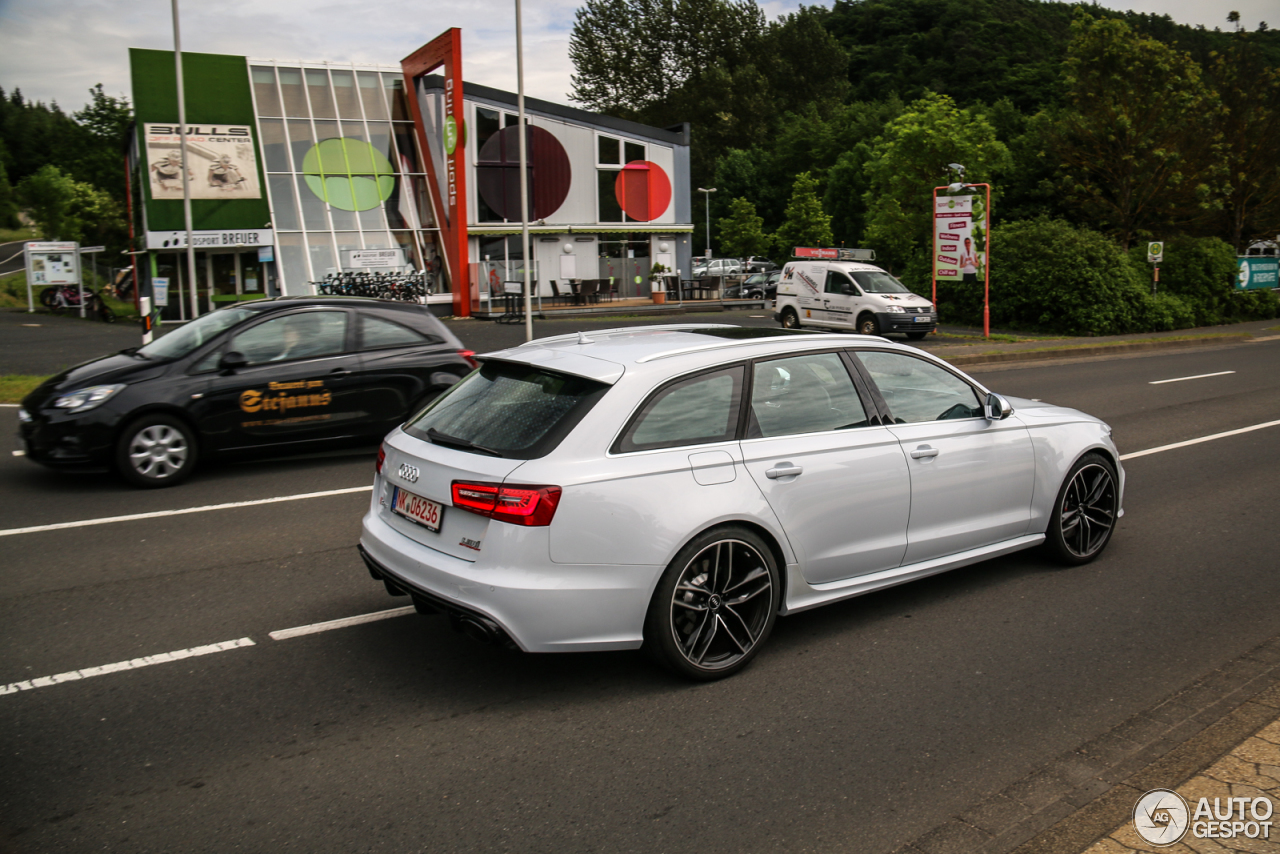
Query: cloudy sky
pixel 54 50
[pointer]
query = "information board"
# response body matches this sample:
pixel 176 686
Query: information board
pixel 1258 272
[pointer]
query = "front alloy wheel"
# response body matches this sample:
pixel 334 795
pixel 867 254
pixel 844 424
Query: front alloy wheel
pixel 1084 516
pixel 867 325
pixel 789 319
pixel 156 451
pixel 715 605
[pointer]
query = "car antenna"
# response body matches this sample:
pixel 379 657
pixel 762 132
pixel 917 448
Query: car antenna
pixel 583 339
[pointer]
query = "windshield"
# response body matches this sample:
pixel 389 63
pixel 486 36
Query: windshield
pixel 878 282
pixel 507 409
pixel 198 332
pixel 756 279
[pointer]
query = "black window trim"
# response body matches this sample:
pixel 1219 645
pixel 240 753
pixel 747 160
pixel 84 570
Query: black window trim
pixel 616 449
pixel 887 414
pixel 426 339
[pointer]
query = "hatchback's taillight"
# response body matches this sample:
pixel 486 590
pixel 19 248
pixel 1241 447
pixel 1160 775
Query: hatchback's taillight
pixel 531 506
pixel 382 458
pixel 470 356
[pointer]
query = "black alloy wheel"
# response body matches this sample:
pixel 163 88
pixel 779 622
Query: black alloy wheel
pixel 156 450
pixel 715 605
pixel 1084 516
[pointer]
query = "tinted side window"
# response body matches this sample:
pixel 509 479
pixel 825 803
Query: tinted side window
pixel 803 394
pixel 376 333
pixel 838 283
pixel 306 335
pixel 917 390
pixel 693 411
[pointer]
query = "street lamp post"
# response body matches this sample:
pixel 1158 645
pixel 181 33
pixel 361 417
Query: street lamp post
pixel 708 198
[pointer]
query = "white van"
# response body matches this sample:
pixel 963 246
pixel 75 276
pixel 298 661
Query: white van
pixel 850 295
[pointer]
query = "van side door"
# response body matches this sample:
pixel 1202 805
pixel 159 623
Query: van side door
pixel 839 298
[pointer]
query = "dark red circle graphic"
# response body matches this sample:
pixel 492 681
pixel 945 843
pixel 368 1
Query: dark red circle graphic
pixel 643 190
pixel 498 173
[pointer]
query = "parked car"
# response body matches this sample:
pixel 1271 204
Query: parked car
pixel 717 267
pixel 288 374
pixel 755 286
pixel 850 295
pixel 680 487
pixel 758 264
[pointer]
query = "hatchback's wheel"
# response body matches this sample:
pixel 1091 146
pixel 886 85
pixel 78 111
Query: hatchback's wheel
pixel 867 325
pixel 1084 516
pixel 789 319
pixel 156 450
pixel 715 605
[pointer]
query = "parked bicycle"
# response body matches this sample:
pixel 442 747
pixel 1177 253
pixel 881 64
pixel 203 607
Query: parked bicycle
pixel 406 287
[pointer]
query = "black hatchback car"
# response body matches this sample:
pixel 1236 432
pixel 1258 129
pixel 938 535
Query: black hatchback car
pixel 287 374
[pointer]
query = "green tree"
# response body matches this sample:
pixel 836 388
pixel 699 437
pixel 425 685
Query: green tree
pixel 1139 140
pixel 1250 126
pixel 908 160
pixel 47 197
pixel 805 223
pixel 8 202
pixel 742 232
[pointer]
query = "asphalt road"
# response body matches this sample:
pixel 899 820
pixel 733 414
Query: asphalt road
pixel 861 725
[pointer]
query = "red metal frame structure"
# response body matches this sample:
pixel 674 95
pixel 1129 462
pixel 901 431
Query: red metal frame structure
pixel 450 211
pixel 986 268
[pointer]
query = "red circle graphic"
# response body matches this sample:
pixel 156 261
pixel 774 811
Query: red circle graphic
pixel 643 190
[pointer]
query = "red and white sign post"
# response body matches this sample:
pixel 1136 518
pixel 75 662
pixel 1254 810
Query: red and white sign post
pixel 962 243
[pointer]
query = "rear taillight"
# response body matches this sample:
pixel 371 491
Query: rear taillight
pixel 382 458
pixel 531 506
pixel 470 356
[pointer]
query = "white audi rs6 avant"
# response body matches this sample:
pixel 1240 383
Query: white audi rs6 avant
pixel 679 487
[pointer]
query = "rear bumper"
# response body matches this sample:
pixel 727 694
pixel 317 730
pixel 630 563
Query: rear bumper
pixel 540 605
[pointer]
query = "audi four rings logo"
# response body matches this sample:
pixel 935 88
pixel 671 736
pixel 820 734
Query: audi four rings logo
pixel 409 473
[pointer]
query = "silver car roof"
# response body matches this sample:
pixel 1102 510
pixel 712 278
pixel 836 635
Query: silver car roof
pixel 605 355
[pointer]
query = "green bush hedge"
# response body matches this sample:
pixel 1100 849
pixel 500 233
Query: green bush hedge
pixel 1049 276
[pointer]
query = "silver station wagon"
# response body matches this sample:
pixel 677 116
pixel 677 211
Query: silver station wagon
pixel 679 487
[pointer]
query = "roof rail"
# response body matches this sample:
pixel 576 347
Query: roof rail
pixel 743 342
pixel 665 327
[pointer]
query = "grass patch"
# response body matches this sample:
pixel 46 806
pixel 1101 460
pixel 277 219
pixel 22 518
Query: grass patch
pixel 13 293
pixel 8 235
pixel 980 339
pixel 1226 336
pixel 14 387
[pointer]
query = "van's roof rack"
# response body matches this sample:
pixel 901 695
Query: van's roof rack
pixel 835 254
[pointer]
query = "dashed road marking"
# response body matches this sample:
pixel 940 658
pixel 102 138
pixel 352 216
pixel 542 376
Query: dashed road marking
pixel 19 453
pixel 1158 450
pixel 133 517
pixel 132 664
pixel 284 634
pixel 1196 377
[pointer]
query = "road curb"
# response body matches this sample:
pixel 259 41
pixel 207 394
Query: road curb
pixel 1082 795
pixel 1099 350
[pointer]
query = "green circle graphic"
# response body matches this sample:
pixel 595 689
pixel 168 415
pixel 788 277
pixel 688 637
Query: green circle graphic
pixel 349 174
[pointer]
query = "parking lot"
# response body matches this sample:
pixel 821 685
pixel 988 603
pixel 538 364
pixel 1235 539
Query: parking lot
pixel 245 708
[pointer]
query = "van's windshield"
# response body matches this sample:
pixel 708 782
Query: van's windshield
pixel 877 282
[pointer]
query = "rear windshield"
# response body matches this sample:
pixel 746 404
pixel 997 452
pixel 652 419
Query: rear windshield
pixel 506 409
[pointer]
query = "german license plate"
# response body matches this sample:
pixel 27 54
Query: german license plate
pixel 415 508
pixel 921 318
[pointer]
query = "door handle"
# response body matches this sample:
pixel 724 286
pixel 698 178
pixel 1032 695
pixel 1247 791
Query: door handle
pixel 924 452
pixel 339 372
pixel 783 470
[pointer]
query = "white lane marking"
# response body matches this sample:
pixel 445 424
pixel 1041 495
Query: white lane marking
pixel 1198 441
pixel 132 517
pixel 19 453
pixel 132 664
pixel 1196 377
pixel 284 634
pixel 10 405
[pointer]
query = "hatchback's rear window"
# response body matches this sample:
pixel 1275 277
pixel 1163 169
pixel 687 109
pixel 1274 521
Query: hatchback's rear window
pixel 508 409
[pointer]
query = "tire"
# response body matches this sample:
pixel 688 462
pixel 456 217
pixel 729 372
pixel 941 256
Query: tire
pixel 156 451
pixel 105 314
pixel 790 320
pixel 1084 515
pixel 48 297
pixel 867 325
pixel 917 336
pixel 715 605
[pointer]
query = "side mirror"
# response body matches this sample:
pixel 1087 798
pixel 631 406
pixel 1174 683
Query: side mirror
pixel 232 360
pixel 997 408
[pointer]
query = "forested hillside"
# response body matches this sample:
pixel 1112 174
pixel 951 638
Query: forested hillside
pixel 1089 123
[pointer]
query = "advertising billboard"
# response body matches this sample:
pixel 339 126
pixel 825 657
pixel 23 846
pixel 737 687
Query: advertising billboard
pixel 959 239
pixel 1258 272
pixel 221 163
